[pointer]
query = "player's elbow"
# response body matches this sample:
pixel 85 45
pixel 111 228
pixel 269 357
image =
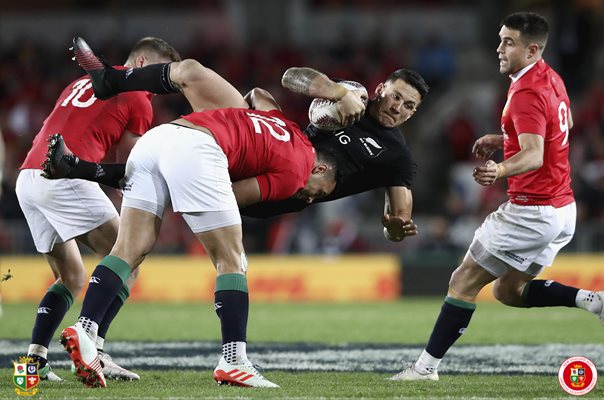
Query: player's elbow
pixel 288 77
pixel 536 160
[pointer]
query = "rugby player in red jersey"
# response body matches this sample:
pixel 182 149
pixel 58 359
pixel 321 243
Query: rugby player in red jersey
pixel 62 212
pixel 523 236
pixel 190 163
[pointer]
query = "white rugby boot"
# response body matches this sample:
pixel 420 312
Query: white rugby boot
pixel 114 371
pixel 411 374
pixel 82 351
pixel 46 374
pixel 245 375
pixel 601 313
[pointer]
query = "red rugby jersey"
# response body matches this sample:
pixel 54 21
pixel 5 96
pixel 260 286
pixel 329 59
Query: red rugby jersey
pixel 261 144
pixel 537 103
pixel 91 126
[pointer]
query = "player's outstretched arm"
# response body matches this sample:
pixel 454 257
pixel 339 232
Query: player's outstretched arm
pixel 397 220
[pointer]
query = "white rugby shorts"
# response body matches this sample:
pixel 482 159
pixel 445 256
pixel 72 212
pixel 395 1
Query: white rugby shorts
pixel 185 166
pixel 525 238
pixel 59 210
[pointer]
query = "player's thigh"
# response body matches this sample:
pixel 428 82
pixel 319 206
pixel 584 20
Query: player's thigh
pixel 224 245
pixel 137 235
pixel 516 236
pixel 66 261
pixel 204 88
pixel 468 279
pixel 102 238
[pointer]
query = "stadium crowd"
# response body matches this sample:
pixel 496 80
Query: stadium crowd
pixel 448 204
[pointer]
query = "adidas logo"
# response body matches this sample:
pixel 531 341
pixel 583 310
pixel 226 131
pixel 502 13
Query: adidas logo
pixel 94 279
pixel 238 375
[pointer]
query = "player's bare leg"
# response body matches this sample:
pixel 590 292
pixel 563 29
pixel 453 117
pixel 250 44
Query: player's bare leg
pixel 203 87
pixel 67 266
pixel 518 289
pixel 101 241
pixel 137 235
pixel 231 301
pixel 459 305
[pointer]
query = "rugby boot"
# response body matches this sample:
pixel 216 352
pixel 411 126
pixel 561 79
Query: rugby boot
pixel 411 374
pixel 94 66
pixel 58 163
pixel 83 353
pixel 601 313
pixel 244 375
pixel 113 371
pixel 46 374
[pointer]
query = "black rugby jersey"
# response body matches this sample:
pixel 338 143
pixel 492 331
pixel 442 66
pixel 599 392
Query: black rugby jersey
pixel 369 156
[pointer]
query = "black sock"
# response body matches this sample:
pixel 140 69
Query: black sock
pixel 51 311
pixel 232 308
pixel 107 174
pixel 102 289
pixel 39 359
pixel 153 78
pixel 113 310
pixel 453 319
pixel 540 293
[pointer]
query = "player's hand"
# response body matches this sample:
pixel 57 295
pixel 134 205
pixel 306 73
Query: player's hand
pixel 487 174
pixel 485 146
pixel 351 107
pixel 397 228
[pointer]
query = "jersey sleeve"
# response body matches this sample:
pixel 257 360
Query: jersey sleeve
pixel 277 186
pixel 528 113
pixel 405 170
pixel 140 113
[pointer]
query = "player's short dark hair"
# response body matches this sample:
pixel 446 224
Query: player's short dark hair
pixel 533 27
pixel 328 157
pixel 412 78
pixel 157 46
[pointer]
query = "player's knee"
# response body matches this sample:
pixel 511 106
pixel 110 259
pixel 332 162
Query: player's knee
pixel 187 71
pixel 74 280
pixel 507 294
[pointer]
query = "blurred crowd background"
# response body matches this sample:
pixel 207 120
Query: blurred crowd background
pixel 252 42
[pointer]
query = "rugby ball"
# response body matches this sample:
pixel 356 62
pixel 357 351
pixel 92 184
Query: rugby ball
pixel 323 113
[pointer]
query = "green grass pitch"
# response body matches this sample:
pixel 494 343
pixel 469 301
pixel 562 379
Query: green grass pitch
pixel 407 322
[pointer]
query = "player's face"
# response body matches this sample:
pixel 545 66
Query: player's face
pixel 317 187
pixel 513 53
pixel 395 103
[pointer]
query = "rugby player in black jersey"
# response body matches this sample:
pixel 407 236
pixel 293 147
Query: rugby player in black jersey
pixel 371 151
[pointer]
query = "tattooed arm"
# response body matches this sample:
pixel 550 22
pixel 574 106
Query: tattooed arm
pixel 313 83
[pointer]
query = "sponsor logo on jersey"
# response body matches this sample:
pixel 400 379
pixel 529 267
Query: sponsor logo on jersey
pixel 372 146
pixel 43 310
pixel 577 375
pixel 26 377
pixel 94 279
pixel 344 139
